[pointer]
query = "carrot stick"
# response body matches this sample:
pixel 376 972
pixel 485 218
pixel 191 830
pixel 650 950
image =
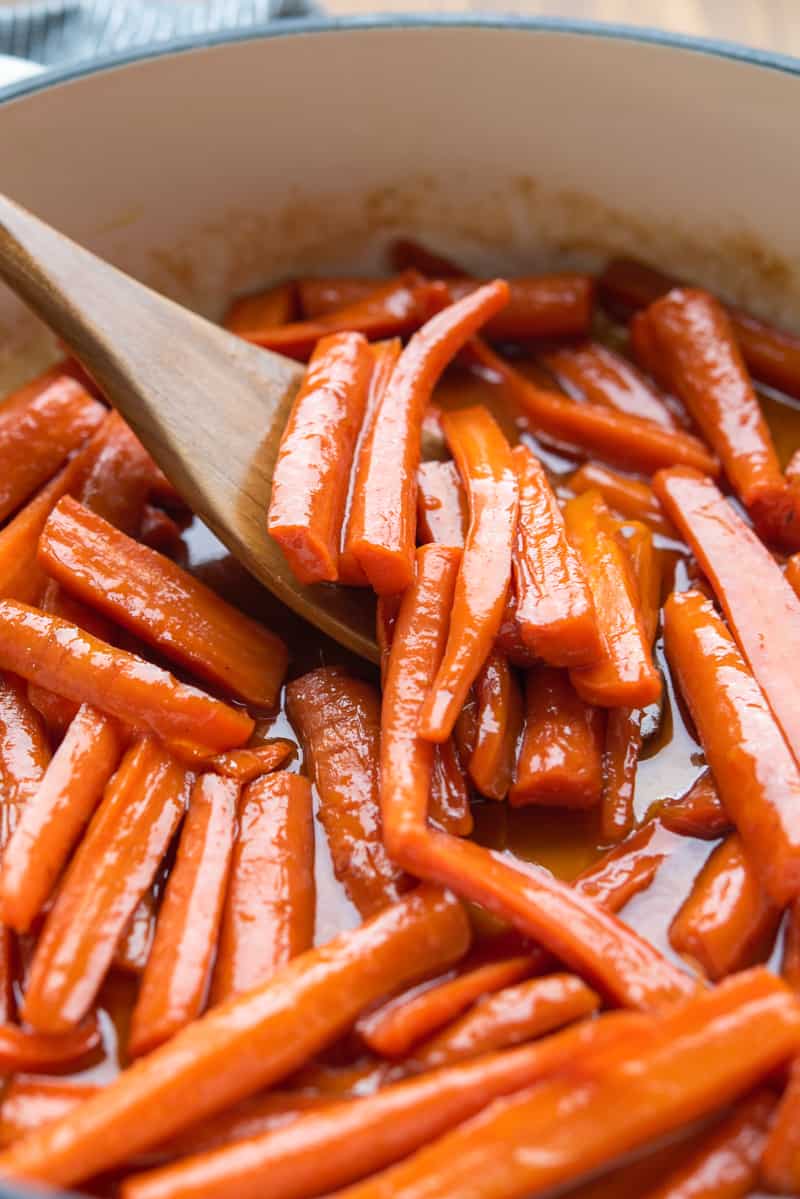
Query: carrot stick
pixel 625 675
pixel 267 309
pixel 324 1150
pixel 441 504
pixel 31 1102
pixel 113 867
pixel 449 802
pixel 625 441
pixel 555 609
pixel 386 609
pixel 326 294
pixel 706 369
pixel 509 636
pixel 727 922
pixel 173 987
pixel 396 1027
pixel 133 948
pixel 630 497
pixel 790 964
pixel 780 1162
pixel 8 968
pixel 24 753
pixel 725 1165
pixel 739 735
pixel 515 1014
pixel 120 478
pixel 162 533
pixel 698 813
pixel 760 605
pixel 127 582
pixel 561 756
pixel 57 810
pixel 499 722
pixel 594 373
pixel 40 1053
pixel 623 746
pixel 629 867
pixel 309 486
pixel 40 425
pixel 384 359
pixel 61 657
pixel 484 460
pixel 337 719
pixel 244 765
pixel 270 905
pixel 699 1056
pixel 247 1043
pixel 383 538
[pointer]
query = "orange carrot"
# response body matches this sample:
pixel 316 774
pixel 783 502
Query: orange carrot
pixel 31 1102
pixel 8 969
pixel 161 604
pixel 449 804
pixel 625 441
pixel 263 310
pixel 592 372
pixel 760 605
pixel 40 425
pixel 757 777
pixel 309 486
pixel 61 657
pixel 790 964
pixel 40 1053
pixel 697 1057
pixel 509 635
pixel 406 252
pixel 441 503
pixel 24 753
pixel 780 1162
pixel 561 756
pixel 162 533
pixel 248 1043
pixel 326 294
pixel 383 541
pixel 112 868
pixel 727 923
pixel 175 979
pixel 337 719
pixel 484 460
pixel 630 497
pixel 623 745
pixel 625 675
pixel 57 810
pixel 555 609
pixel 629 867
pixel 270 905
pixel 133 948
pixel 698 813
pixel 499 721
pixel 244 765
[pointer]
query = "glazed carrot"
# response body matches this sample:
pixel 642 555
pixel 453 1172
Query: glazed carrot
pixel 555 609
pixel 698 813
pixel 792 573
pixel 309 486
pixel 337 719
pixel 40 425
pixel 629 867
pixel 484 460
pixel 270 904
pixel 780 1162
pixel 396 1027
pixel 406 252
pixel 173 987
pixel 625 441
pixel 24 753
pixel 120 477
pixel 133 948
pixel 623 744
pixel 441 504
pixel 561 756
pixel 386 610
pixel 113 867
pixel 8 970
pixel 790 964
pixel 383 541
pixel 760 605
pixel 630 497
pixel 247 1043
pixel 706 368
pixel 29 1103
pixel 162 533
pixel 56 813
pixel 263 310
pixel 161 604
pixel 384 359
pixel 324 1150
pixel 625 675
pixel 509 636
pixel 244 765
pixel 499 722
pixel 40 1053
pixel 322 295
pixel 449 801
pixel 699 1056
pixel 515 1014
pixel 757 777
pixel 433 446
pixel 727 922
pixel 592 372
pixel 393 309
pixel 61 657
pixel 649 355
pixel 406 760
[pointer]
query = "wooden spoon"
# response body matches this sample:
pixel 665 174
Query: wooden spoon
pixel 209 407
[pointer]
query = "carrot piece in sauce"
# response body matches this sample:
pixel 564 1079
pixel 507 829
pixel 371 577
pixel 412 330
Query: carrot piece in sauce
pixel 442 504
pixel 698 813
pixel 133 948
pixel 780 1161
pixel 250 1042
pixel 29 1103
pixel 309 487
pixel 555 609
pixel 499 722
pixel 264 310
pixel 484 460
pixel 24 753
pixel 594 373
pixel 757 777
pixel 43 1053
pixel 629 867
pixel 384 541
pixel 244 765
pixel 629 497
pixel 173 986
pixel 449 802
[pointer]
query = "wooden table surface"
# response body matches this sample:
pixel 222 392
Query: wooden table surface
pixel 767 24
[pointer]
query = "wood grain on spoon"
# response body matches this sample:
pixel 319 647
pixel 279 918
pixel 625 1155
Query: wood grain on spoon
pixel 209 407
